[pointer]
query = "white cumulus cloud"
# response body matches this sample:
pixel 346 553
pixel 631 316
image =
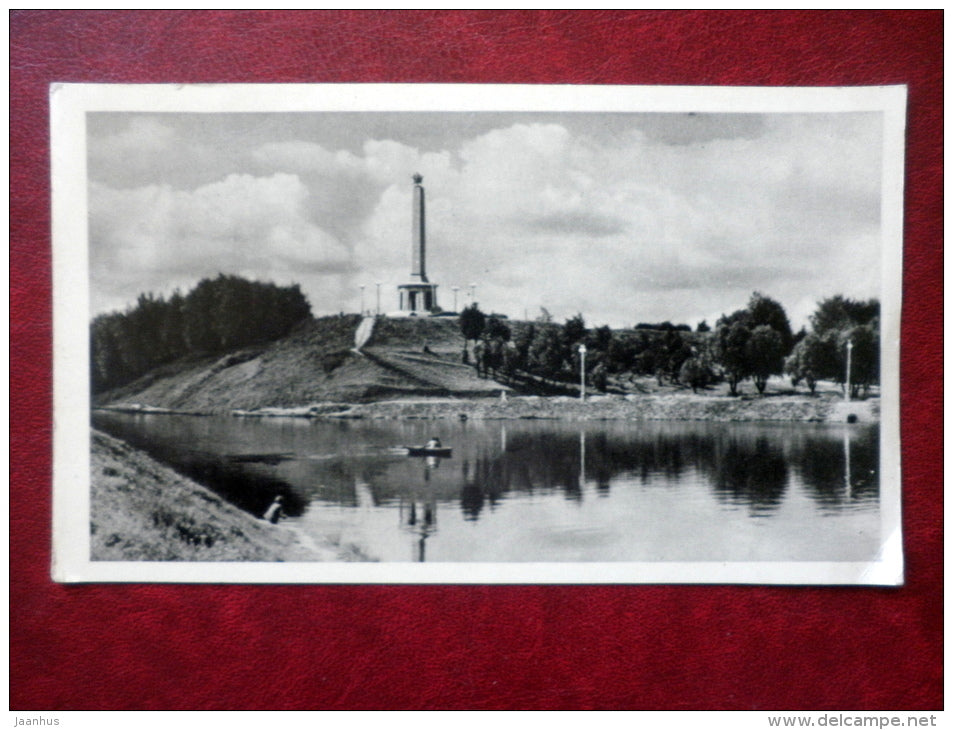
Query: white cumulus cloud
pixel 648 223
pixel 241 224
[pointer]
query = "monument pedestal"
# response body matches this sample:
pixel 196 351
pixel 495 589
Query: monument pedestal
pixel 418 297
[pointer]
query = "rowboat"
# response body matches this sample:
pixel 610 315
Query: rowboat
pixel 444 452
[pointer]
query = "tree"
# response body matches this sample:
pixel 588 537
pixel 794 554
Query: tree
pixel 496 329
pixel 837 321
pixel 731 341
pixel 105 354
pixel 703 327
pixel 621 354
pixel 598 343
pixel 546 352
pixel 231 296
pixel 472 324
pixel 491 353
pixel 221 313
pixel 172 335
pixel 765 355
pixel 763 310
pixel 840 313
pixel 813 358
pixel 644 362
pixel 677 351
pixel 574 331
pixel 197 311
pixel 695 373
pixel 522 342
pixel 600 378
pixel 602 338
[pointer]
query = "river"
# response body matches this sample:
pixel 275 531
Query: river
pixel 541 490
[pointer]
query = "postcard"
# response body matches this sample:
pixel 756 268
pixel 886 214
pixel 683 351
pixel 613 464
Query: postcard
pixel 425 333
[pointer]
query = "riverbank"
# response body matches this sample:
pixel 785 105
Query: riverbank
pixel 142 510
pixel 411 368
pixel 824 408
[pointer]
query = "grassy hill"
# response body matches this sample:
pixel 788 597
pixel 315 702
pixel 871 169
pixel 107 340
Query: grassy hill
pixel 315 368
pixel 166 516
pixel 316 363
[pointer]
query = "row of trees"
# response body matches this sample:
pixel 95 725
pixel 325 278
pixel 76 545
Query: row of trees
pixel 549 351
pixel 823 354
pixel 542 348
pixel 218 314
pixel 752 343
pixel 757 343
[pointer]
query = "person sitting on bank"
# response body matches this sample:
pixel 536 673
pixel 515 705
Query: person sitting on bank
pixel 274 512
pixel 434 443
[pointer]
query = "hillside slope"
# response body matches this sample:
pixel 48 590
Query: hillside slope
pixel 316 363
pixel 142 510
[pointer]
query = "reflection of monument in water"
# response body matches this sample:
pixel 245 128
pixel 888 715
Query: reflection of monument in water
pixel 419 296
pixel 419 516
pixel 420 519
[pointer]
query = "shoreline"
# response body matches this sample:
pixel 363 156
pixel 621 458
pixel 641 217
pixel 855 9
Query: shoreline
pixel 820 408
pixel 141 509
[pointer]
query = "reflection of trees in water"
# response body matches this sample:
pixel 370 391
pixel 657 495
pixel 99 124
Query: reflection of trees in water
pixel 547 463
pixel 825 464
pixel 531 463
pixel 745 466
pixel 471 494
pixel 750 474
pixel 488 478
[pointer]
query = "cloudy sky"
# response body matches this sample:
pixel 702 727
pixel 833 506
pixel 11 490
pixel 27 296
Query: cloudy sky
pixel 623 217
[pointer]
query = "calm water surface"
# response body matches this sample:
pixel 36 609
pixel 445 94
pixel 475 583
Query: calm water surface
pixel 542 490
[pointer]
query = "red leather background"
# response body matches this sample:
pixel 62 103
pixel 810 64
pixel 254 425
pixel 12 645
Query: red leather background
pixel 459 647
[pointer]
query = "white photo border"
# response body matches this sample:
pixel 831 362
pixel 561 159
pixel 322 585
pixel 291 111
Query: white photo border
pixel 69 104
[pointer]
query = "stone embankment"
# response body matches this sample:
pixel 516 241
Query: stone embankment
pixel 681 407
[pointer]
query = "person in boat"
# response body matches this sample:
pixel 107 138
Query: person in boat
pixel 434 443
pixel 275 511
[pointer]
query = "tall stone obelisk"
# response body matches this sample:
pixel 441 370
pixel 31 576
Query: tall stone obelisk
pixel 419 233
pixel 419 296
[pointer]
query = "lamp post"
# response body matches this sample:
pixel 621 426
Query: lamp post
pixel 362 300
pixel 378 298
pixel 582 372
pixel 472 293
pixel 455 289
pixel 850 346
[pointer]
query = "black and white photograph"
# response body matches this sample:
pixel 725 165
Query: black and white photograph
pixel 477 334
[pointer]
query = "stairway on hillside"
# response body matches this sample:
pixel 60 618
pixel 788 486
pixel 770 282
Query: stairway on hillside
pixel 363 333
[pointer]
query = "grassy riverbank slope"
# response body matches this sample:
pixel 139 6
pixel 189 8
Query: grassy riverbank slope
pixel 141 510
pixel 315 363
pixel 411 368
